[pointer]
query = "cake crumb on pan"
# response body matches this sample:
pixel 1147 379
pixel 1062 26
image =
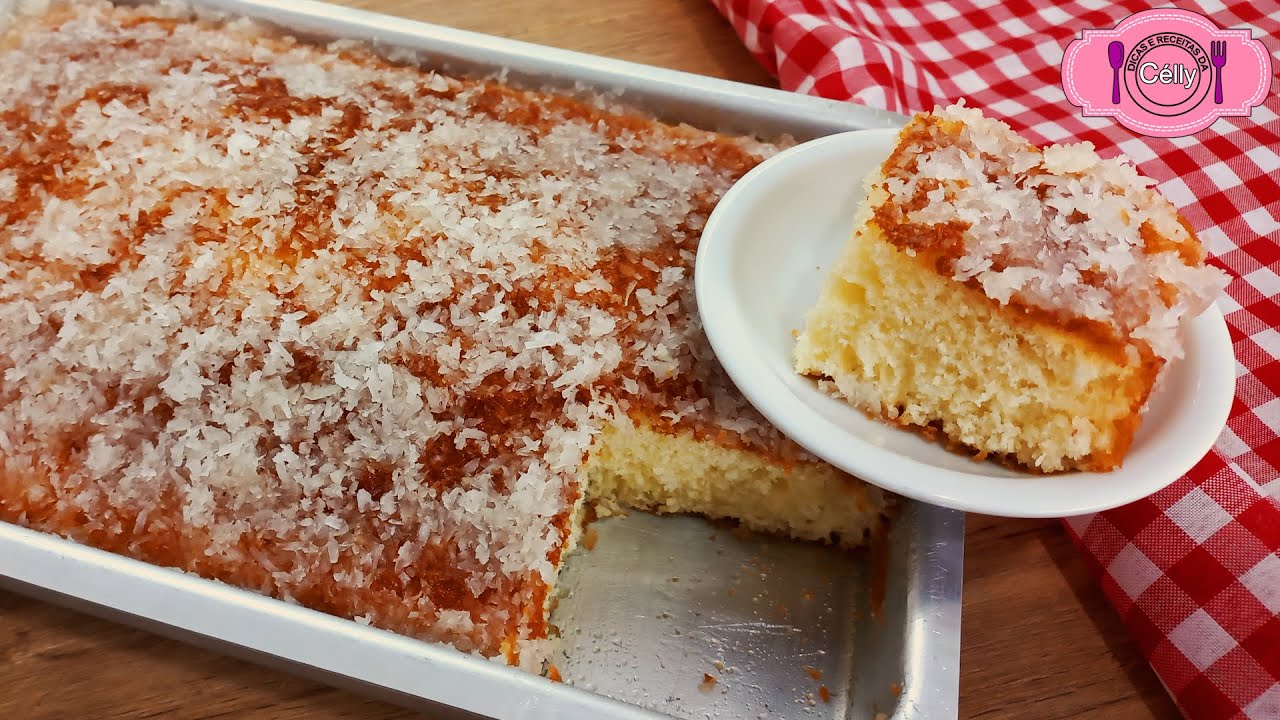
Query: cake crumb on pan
pixel 356 334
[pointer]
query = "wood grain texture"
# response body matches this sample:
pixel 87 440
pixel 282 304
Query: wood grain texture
pixel 1039 639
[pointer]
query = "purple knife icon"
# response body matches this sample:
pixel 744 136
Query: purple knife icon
pixel 1115 53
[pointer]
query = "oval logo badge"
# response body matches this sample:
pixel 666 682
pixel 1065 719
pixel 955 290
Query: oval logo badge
pixel 1166 72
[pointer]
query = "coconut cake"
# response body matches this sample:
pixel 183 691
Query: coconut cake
pixel 1017 302
pixel 356 334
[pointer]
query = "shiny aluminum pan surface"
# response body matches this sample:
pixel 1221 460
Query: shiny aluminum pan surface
pixel 666 616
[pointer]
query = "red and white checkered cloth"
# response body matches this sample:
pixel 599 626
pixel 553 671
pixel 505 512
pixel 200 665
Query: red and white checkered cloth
pixel 1194 570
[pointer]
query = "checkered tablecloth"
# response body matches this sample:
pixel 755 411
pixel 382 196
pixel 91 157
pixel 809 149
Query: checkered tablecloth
pixel 1194 570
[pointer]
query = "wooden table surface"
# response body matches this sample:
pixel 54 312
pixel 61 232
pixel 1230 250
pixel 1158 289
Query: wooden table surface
pixel 1039 640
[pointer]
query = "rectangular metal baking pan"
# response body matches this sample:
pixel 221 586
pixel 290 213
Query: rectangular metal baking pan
pixel 661 603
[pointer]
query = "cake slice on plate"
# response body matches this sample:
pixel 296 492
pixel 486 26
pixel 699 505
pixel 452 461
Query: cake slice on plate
pixel 1020 302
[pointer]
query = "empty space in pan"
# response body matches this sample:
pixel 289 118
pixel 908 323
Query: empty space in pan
pixel 696 620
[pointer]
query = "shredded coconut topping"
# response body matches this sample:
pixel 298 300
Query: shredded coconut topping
pixel 332 328
pixel 1061 230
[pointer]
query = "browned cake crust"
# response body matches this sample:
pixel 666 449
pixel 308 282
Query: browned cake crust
pixel 945 246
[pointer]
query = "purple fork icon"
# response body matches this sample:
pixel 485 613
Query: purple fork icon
pixel 1218 55
pixel 1115 53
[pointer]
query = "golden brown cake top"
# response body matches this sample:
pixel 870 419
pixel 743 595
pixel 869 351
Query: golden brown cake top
pixel 333 328
pixel 1060 230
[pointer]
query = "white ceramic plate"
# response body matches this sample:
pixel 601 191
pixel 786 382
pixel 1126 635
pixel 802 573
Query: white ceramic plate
pixel 761 264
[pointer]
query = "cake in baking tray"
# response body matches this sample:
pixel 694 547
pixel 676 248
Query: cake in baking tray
pixel 1020 302
pixel 358 335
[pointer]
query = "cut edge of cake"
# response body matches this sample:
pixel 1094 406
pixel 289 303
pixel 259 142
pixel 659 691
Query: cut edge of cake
pixel 633 465
pixel 636 466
